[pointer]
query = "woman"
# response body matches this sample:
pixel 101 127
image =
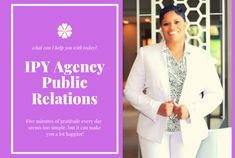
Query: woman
pixel 174 85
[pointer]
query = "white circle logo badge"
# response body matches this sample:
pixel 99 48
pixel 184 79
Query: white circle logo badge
pixel 64 31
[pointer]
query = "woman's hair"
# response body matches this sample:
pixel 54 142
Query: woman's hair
pixel 178 10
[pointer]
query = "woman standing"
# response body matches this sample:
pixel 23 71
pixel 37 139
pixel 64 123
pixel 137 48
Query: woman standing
pixel 174 85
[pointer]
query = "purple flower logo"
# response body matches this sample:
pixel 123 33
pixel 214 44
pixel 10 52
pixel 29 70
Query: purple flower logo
pixel 64 31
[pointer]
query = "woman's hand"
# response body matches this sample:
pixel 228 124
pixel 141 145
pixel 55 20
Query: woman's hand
pixel 181 112
pixel 169 107
pixel 166 108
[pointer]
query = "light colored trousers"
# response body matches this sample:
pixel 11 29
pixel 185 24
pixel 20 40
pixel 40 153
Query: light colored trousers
pixel 171 147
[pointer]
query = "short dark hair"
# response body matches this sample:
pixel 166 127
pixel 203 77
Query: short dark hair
pixel 178 10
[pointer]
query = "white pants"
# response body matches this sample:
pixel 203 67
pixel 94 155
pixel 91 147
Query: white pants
pixel 171 147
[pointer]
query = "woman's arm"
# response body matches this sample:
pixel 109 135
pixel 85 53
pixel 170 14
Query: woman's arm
pixel 134 89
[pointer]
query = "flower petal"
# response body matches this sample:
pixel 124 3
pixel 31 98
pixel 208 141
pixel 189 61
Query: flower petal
pixel 60 33
pixel 69 34
pixel 64 25
pixel 60 28
pixel 69 28
pixel 64 36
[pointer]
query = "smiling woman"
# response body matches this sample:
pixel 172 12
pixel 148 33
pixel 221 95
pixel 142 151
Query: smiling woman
pixel 165 85
pixel 173 26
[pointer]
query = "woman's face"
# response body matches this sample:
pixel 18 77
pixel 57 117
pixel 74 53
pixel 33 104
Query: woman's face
pixel 173 27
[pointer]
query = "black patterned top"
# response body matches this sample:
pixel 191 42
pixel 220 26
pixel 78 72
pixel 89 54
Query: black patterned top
pixel 177 73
